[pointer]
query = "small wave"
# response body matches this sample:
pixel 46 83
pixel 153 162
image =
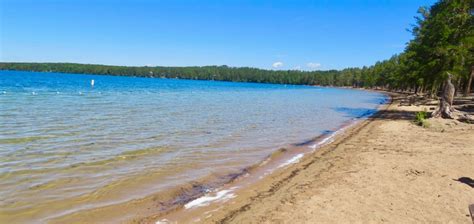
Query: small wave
pixel 134 154
pixel 163 221
pixel 205 200
pixel 126 156
pixel 294 159
pixel 324 141
pixel 329 138
pixel 22 140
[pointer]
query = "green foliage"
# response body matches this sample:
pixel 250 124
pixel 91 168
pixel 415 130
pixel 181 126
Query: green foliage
pixel 421 117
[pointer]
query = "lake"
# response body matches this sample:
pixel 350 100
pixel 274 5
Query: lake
pixel 67 146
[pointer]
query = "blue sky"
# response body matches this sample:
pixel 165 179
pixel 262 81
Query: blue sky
pixel 307 35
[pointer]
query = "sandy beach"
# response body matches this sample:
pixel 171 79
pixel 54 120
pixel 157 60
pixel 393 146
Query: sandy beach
pixel 384 170
pixel 252 112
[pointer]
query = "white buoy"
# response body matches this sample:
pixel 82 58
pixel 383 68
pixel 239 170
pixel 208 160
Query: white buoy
pixel 92 83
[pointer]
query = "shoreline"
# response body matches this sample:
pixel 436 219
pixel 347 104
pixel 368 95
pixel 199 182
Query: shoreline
pixel 211 201
pixel 278 161
pixel 199 194
pixel 381 170
pixel 108 209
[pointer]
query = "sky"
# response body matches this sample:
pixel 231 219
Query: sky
pixel 298 34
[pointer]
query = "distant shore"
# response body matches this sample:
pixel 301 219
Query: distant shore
pixel 385 169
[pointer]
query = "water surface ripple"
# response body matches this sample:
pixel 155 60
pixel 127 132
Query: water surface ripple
pixel 67 146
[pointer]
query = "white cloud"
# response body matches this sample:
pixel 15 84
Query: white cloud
pixel 277 64
pixel 313 65
pixel 297 67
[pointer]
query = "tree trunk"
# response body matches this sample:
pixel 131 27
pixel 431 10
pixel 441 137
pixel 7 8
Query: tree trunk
pixel 433 91
pixel 469 82
pixel 445 109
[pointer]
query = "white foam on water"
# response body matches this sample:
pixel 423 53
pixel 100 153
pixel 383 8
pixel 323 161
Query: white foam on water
pixel 325 141
pixel 222 195
pixel 295 159
pixel 163 221
pixel 328 139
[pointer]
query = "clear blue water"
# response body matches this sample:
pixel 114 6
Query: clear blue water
pixel 66 146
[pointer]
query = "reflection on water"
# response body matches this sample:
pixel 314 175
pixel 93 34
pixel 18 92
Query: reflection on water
pixel 66 146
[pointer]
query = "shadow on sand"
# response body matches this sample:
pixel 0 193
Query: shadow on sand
pixel 383 114
pixel 466 180
pixel 394 115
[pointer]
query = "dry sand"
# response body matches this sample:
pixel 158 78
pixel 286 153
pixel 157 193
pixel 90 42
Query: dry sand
pixel 386 169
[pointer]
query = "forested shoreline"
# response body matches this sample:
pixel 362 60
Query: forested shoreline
pixel 220 73
pixel 443 42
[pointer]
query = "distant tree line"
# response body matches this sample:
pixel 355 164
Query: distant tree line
pixel 443 42
pixel 221 73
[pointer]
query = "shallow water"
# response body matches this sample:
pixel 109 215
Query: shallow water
pixel 66 146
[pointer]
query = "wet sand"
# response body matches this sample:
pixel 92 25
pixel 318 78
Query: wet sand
pixel 385 169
